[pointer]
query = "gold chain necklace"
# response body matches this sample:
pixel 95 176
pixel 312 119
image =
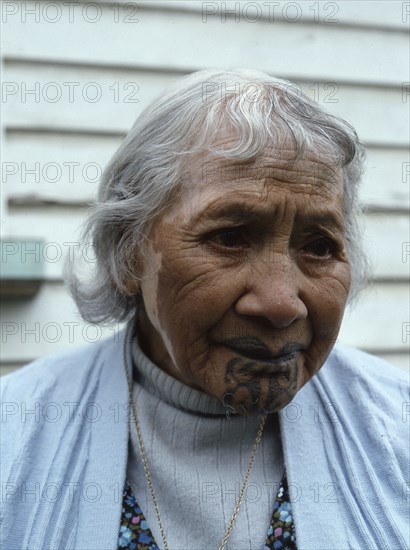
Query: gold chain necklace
pixel 148 473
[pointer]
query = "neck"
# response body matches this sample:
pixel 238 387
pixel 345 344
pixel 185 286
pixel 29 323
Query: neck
pixel 166 386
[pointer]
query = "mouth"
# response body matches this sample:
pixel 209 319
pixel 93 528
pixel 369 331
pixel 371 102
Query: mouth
pixel 254 349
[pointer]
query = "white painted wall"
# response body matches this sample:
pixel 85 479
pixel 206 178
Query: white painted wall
pixel 352 57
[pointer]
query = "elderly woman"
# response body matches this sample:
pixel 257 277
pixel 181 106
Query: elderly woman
pixel 224 415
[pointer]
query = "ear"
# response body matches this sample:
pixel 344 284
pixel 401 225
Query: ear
pixel 129 283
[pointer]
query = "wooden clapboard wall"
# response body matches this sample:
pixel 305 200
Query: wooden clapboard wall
pixel 75 76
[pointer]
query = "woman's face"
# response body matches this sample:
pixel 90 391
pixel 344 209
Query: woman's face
pixel 246 278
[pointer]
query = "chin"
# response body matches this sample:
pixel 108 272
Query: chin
pixel 271 398
pixel 254 387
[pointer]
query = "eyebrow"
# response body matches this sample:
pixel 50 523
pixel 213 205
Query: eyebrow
pixel 235 212
pixel 242 213
pixel 328 219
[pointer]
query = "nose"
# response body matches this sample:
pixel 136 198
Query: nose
pixel 273 292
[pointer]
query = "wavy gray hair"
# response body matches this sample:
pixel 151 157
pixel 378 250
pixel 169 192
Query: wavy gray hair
pixel 146 171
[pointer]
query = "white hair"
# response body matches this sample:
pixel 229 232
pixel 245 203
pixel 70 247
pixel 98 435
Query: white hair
pixel 147 170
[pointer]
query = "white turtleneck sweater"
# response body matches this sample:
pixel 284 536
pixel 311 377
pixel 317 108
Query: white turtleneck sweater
pixel 198 458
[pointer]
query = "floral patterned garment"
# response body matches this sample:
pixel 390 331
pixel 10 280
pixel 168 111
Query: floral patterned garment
pixel 136 535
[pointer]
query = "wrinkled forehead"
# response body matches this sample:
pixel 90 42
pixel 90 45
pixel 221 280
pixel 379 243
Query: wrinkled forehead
pixel 281 165
pixel 210 183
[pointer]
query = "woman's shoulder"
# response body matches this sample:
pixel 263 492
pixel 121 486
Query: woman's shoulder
pixel 59 415
pixel 59 395
pixel 64 368
pixel 349 431
pixel 356 380
pixel 360 365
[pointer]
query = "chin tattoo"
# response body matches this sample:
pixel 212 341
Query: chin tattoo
pixel 254 389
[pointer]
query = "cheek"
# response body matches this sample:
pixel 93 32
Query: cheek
pixel 194 297
pixel 181 301
pixel 326 308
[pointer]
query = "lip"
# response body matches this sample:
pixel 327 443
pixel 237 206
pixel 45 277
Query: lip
pixel 253 348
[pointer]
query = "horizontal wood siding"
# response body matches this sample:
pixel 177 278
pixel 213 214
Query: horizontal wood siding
pixel 182 41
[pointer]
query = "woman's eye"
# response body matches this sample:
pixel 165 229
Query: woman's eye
pixel 230 238
pixel 322 247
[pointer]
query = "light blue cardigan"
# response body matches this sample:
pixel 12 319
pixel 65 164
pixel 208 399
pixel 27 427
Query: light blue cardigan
pixel 345 443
